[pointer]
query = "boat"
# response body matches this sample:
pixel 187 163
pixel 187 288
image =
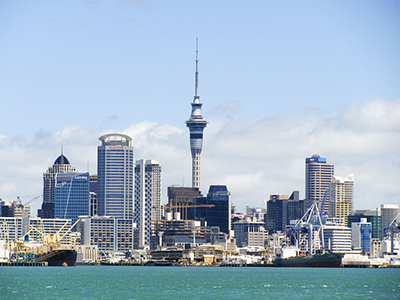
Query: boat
pixel 60 257
pixel 326 260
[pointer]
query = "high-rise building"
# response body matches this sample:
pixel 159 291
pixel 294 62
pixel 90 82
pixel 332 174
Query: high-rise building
pixel 281 209
pixel 215 209
pixel 196 125
pixel 72 196
pixel 147 198
pixel 61 165
pixel 115 176
pixel 318 177
pixel 341 197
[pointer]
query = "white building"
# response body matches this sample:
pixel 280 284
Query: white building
pixel 341 197
pixel 109 234
pixel 147 198
pixel 337 237
pixel 11 228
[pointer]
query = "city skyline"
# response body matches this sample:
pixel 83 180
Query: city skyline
pixel 281 83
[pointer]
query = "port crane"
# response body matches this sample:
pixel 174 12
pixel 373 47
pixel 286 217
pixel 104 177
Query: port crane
pixel 390 230
pixel 308 232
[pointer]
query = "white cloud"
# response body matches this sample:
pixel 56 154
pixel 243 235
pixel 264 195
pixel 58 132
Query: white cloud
pixel 255 158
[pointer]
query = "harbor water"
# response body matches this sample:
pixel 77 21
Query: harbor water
pixel 142 282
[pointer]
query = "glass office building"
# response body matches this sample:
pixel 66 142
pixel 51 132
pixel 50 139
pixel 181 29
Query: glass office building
pixel 71 196
pixel 115 176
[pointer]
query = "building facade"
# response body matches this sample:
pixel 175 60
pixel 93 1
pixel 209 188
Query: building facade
pixel 370 216
pixel 109 234
pixel 319 175
pixel 147 198
pixel 215 209
pixel 281 209
pixel 361 235
pixel 337 237
pixel 181 198
pixel 388 212
pixel 341 197
pixel 72 197
pixel 115 176
pixel 196 125
pixel 61 165
pixel 250 232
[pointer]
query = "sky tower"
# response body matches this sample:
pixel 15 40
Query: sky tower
pixel 196 125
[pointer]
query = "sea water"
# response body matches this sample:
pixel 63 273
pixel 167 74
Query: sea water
pixel 143 282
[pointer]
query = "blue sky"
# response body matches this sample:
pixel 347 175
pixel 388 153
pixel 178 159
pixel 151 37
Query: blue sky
pixel 280 81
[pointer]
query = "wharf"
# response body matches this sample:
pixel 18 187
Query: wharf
pixel 24 264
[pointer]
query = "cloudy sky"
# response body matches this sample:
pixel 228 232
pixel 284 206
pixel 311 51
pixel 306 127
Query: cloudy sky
pixel 280 81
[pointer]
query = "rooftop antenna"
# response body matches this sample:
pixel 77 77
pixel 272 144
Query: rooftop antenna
pixel 196 94
pixel 62 148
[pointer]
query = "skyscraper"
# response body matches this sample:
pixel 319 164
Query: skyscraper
pixel 215 209
pixel 115 176
pixel 196 125
pixel 147 198
pixel 61 165
pixel 341 197
pixel 319 175
pixel 71 196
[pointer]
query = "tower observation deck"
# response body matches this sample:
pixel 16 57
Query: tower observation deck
pixel 196 125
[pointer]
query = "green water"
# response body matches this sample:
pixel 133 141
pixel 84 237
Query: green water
pixel 116 282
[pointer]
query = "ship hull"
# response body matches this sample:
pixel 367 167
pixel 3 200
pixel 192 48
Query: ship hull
pixel 327 260
pixel 59 258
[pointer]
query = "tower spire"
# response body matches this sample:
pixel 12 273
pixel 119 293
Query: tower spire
pixel 196 89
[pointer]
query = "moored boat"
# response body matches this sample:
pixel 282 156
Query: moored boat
pixel 326 260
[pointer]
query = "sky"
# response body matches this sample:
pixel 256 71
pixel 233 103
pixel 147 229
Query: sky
pixel 279 82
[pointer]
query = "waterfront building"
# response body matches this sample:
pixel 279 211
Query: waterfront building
pixel 108 233
pixel 372 217
pixel 341 197
pixel 337 237
pixel 183 233
pixel 181 198
pixel 250 232
pixel 115 176
pixel 15 209
pixel 72 197
pixel 147 198
pixel 196 125
pixel 319 175
pixel 215 209
pixel 388 212
pixel 361 234
pixel 61 165
pixel 11 228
